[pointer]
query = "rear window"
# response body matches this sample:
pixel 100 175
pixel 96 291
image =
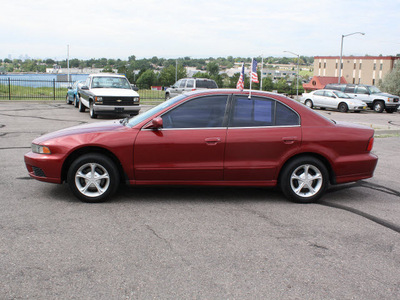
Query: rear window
pixel 206 84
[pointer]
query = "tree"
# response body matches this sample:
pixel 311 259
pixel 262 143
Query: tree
pixel 213 68
pixel 146 79
pixel 167 74
pixel 391 82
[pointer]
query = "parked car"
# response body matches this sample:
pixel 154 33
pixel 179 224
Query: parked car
pixel 332 99
pixel 189 84
pixel 72 92
pixel 214 137
pixel 108 94
pixel 371 95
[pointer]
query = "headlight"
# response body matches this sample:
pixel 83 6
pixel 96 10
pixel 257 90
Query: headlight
pixel 136 99
pixel 98 100
pixel 40 149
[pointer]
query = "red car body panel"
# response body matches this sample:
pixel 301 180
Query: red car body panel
pixel 214 156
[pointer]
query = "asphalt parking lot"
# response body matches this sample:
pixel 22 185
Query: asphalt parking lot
pixel 194 243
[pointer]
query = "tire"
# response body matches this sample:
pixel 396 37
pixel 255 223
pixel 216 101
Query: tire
pixel 379 106
pixel 304 179
pixel 76 103
pixel 67 100
pixel 167 96
pixel 92 114
pixel 82 107
pixel 343 107
pixel 309 103
pixel 93 178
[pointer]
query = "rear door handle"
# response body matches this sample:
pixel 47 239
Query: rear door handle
pixel 212 140
pixel 289 139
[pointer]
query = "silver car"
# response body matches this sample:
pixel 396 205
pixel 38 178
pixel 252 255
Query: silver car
pixel 189 84
pixel 332 99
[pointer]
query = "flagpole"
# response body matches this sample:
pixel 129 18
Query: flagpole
pixel 250 77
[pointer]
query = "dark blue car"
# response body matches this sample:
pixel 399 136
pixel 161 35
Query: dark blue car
pixel 71 94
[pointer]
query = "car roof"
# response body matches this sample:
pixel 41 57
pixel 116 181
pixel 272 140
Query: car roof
pixel 106 75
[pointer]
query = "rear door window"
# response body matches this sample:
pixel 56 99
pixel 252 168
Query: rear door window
pixel 349 89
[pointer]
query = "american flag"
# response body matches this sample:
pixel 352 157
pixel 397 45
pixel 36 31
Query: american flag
pixel 240 83
pixel 254 76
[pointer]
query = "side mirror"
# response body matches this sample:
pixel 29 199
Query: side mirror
pixel 156 123
pixel 84 87
pixel 70 87
pixel 134 87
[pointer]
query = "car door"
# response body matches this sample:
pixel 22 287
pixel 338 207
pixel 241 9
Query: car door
pixel 330 100
pixel 189 147
pixel 361 93
pixel 262 133
pixel 318 98
pixel 176 88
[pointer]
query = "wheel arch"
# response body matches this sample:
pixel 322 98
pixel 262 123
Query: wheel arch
pixel 92 149
pixel 324 160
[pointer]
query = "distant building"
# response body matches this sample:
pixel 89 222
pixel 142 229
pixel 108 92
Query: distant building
pixel 319 82
pixel 356 69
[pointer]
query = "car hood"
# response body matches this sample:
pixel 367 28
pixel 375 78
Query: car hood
pixel 385 95
pixel 115 92
pixel 97 127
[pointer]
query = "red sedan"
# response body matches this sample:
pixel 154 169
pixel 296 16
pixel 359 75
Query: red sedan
pixel 212 137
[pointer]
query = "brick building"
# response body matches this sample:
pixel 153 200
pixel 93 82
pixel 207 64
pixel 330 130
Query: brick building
pixel 356 69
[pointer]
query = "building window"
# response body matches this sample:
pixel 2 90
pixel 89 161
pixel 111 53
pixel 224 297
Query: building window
pixel 373 81
pixel 354 80
pixel 320 65
pixel 355 66
pixel 381 67
pixel 336 65
pixel 360 65
pixel 374 66
pixel 325 65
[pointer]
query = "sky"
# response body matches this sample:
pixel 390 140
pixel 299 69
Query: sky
pixel 198 29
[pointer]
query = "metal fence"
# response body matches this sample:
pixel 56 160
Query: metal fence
pixel 20 89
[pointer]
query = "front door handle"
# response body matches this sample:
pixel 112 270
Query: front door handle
pixel 212 141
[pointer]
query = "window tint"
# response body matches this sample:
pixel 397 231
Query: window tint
pixel 182 84
pixel 203 112
pixel 319 93
pixel 362 90
pixel 252 112
pixel 328 94
pixel 285 116
pixel 258 112
pixel 349 89
pixel 190 83
pixel 208 84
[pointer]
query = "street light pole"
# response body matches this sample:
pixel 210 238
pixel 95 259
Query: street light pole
pixel 262 65
pixel 297 85
pixel 341 52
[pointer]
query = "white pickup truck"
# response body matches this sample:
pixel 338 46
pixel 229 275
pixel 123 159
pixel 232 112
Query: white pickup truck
pixel 108 94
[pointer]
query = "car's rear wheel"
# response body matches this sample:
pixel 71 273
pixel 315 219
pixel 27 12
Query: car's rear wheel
pixel 93 177
pixel 76 103
pixel 379 106
pixel 67 100
pixel 309 103
pixel 167 96
pixel 304 179
pixel 343 107
pixel 93 115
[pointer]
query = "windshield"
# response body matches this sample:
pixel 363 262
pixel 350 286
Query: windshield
pixel 341 95
pixel 110 82
pixel 374 90
pixel 141 117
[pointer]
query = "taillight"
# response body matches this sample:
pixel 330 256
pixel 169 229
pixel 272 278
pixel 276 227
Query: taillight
pixel 370 144
pixel 193 90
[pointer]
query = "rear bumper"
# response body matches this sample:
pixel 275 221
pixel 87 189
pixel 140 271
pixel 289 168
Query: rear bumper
pixel 352 168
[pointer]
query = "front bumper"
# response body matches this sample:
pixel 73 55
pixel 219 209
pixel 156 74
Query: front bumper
pixel 111 109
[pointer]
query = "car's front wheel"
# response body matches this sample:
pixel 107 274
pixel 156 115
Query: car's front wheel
pixel 343 107
pixel 67 100
pixel 76 101
pixel 379 106
pixel 309 103
pixel 304 179
pixel 92 113
pixel 82 107
pixel 93 177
